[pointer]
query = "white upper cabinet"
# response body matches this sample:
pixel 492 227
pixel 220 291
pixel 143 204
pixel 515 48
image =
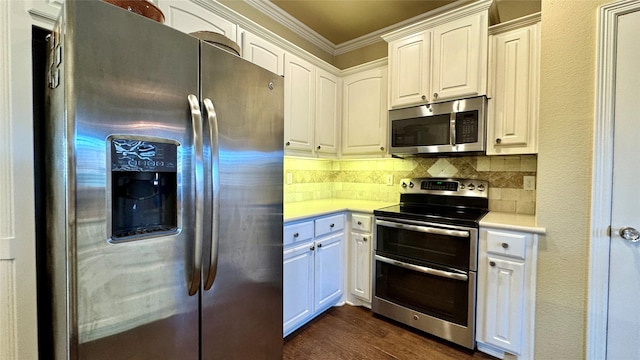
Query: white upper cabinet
pixel 460 58
pixel 299 103
pixel 409 70
pixel 189 17
pixel 327 119
pixel 364 114
pixel 514 87
pixel 440 58
pixel 262 53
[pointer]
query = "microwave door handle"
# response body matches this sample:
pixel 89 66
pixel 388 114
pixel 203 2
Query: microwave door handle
pixel 452 134
pixel 212 122
pixel 424 229
pixel 423 269
pixel 198 157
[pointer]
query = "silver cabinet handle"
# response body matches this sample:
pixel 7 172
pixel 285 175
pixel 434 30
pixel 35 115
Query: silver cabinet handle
pixel 196 124
pixel 212 122
pixel 630 234
pixel 452 129
pixel 424 269
pixel 425 229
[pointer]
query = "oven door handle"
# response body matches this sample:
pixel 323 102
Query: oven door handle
pixel 423 269
pixel 425 229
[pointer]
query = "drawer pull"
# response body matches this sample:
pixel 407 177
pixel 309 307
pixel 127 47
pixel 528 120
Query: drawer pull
pixel 505 245
pixel 364 239
pixel 332 225
pixel 492 263
pixel 359 222
pixel 295 235
pixel 312 248
pixel 319 245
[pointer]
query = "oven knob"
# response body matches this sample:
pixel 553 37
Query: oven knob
pixel 461 186
pixel 404 185
pixel 471 186
pixel 480 187
pixel 411 185
pixel 416 317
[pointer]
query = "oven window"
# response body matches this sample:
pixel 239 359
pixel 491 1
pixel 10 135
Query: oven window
pixel 446 250
pixel 443 298
pixel 425 131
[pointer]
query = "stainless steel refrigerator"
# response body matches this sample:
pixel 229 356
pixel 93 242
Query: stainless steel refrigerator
pixel 163 194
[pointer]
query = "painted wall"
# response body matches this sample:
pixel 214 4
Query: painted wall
pixel 569 40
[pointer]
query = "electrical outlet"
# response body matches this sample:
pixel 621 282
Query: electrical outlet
pixel 529 182
pixel 289 178
pixel 389 179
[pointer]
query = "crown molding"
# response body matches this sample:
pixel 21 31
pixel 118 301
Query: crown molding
pixel 268 8
pixel 282 17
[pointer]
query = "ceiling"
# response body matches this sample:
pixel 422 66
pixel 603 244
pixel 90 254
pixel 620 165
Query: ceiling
pixel 341 21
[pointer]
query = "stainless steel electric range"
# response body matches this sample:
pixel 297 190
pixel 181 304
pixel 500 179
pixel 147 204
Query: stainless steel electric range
pixel 425 256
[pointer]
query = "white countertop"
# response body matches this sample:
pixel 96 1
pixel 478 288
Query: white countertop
pixel 304 209
pixel 511 221
pixel 498 220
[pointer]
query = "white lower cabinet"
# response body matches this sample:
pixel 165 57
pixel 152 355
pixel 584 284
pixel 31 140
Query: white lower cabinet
pixel 506 292
pixel 504 303
pixel 298 286
pixel 313 269
pixel 360 254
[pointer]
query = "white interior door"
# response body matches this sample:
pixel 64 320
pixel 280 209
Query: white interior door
pixel 624 276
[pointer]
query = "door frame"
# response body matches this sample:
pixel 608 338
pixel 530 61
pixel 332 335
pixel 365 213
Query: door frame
pixel 602 177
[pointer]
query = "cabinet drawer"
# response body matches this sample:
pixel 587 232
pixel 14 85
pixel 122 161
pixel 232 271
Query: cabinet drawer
pixel 329 225
pixel 361 223
pixel 507 243
pixel 297 232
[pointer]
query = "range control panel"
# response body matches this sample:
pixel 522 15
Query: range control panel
pixel 444 186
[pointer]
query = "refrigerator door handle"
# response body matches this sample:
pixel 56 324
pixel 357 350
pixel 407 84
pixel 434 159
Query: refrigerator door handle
pixel 212 122
pixel 196 123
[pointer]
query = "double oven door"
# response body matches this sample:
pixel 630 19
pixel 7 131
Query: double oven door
pixel 425 277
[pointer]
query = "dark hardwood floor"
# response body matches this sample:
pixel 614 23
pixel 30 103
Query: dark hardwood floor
pixel 350 332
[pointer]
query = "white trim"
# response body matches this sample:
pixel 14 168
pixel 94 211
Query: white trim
pixel 515 23
pixel 282 17
pixel 602 178
pixel 7 220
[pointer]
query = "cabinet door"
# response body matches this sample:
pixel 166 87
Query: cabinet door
pixel 361 265
pixel 409 67
pixel 189 17
pixel 298 267
pixel 503 315
pixel 459 58
pixel 327 119
pixel 329 272
pixel 299 103
pixel 262 53
pixel 364 114
pixel 512 113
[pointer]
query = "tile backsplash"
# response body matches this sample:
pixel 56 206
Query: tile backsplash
pixel 313 179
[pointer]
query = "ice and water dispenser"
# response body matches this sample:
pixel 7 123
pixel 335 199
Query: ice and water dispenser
pixel 143 188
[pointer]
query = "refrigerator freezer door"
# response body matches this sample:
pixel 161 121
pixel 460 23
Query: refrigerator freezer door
pixel 128 138
pixel 242 311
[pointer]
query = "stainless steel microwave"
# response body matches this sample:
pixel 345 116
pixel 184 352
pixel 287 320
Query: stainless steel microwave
pixel 449 127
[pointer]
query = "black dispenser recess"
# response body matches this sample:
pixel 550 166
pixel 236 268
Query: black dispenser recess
pixel 143 188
